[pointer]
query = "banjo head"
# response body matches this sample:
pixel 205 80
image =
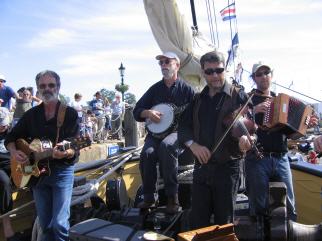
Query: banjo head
pixel 166 121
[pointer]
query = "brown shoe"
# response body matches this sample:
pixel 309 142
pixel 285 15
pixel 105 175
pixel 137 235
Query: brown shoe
pixel 173 205
pixel 145 204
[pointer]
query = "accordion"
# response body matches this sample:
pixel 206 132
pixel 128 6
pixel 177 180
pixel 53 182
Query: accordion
pixel 288 115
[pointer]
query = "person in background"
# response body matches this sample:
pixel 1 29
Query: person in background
pixel 216 175
pixel 52 194
pixel 97 107
pixel 6 93
pixel 76 104
pixel 118 111
pixel 5 182
pixel 34 98
pixel 23 104
pixel 165 150
pixel 108 116
pixel 20 91
pixel 275 164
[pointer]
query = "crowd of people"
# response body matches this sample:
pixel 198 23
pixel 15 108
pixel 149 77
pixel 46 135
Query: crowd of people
pixel 100 119
pixel 200 133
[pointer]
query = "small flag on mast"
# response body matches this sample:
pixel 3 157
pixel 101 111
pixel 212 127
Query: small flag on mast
pixel 232 53
pixel 228 12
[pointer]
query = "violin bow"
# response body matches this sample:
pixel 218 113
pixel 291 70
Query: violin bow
pixel 232 124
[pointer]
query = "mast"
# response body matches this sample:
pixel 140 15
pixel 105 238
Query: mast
pixel 193 13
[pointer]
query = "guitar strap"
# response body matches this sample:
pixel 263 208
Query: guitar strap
pixel 60 119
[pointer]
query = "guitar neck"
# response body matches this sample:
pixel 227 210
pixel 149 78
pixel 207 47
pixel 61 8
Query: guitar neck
pixel 43 155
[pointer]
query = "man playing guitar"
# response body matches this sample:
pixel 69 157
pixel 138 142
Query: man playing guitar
pixel 52 193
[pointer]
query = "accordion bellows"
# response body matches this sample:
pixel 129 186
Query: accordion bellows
pixel 288 115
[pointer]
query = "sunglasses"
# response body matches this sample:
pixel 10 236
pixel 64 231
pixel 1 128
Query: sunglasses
pixel 167 61
pixel 50 85
pixel 260 74
pixel 211 71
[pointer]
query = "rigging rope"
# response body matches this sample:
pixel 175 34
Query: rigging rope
pixel 211 28
pixel 213 6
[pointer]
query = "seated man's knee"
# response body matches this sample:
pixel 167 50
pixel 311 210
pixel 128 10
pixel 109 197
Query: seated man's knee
pixel 147 153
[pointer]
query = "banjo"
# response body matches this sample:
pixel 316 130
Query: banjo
pixel 168 122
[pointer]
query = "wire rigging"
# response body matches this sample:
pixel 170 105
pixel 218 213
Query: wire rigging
pixel 209 15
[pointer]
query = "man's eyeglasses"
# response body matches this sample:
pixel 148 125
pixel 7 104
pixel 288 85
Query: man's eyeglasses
pixel 211 71
pixel 166 61
pixel 50 85
pixel 260 74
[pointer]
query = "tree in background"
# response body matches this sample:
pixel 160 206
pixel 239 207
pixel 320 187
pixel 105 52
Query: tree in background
pixel 110 95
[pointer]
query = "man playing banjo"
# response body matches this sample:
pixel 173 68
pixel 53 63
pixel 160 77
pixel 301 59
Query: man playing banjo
pixel 153 108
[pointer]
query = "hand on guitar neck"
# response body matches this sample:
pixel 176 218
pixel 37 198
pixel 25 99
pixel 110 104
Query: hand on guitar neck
pixel 63 150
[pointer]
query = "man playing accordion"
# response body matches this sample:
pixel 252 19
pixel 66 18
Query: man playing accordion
pixel 274 166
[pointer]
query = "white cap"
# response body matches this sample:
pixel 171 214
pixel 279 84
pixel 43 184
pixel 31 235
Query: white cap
pixel 169 55
pixel 259 65
pixel 2 77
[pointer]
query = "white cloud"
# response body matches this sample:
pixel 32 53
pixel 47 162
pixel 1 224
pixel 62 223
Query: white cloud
pixel 52 38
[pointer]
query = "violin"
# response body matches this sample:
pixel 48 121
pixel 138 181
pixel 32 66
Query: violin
pixel 240 126
pixel 243 126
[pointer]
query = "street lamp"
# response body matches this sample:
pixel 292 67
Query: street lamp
pixel 122 69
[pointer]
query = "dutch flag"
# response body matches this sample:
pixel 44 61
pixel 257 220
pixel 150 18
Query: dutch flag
pixel 228 12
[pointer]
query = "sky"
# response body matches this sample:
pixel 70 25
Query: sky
pixel 85 41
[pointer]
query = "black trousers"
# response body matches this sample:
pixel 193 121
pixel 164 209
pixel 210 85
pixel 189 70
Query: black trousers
pixel 165 152
pixel 214 191
pixel 5 189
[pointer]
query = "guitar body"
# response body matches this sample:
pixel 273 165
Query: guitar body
pixel 39 152
pixel 21 173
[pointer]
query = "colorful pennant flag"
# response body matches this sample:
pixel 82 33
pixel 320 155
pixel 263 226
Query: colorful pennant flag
pixel 228 12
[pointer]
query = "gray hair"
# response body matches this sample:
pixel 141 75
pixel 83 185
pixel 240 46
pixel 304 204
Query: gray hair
pixel 212 57
pixel 50 73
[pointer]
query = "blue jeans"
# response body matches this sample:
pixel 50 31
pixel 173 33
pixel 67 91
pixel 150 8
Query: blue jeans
pixel 52 195
pixel 259 172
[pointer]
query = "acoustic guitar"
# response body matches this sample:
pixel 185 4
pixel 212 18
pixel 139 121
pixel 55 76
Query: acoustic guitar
pixel 39 153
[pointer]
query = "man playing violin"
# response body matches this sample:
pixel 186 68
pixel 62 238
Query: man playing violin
pixel 216 173
pixel 52 193
pixel 171 89
pixel 275 164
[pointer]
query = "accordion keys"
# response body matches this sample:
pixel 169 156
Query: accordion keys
pixel 288 115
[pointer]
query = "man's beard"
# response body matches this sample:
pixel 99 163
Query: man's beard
pixel 48 96
pixel 167 73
